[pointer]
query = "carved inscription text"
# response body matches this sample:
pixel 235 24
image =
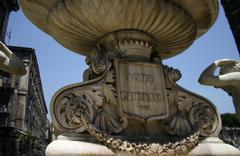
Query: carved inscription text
pixel 141 97
pixel 140 77
pixel 141 90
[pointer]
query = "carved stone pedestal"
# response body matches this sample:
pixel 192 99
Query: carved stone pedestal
pixel 130 102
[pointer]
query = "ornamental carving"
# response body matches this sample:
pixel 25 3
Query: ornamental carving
pixel 111 101
pixel 141 91
pixel 129 101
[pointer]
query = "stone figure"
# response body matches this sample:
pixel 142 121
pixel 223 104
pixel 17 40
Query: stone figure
pixel 9 62
pixel 228 79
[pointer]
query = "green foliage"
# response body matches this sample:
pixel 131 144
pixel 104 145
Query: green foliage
pixel 230 120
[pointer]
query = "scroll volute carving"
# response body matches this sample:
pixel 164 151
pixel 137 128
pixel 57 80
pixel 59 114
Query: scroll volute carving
pixel 191 111
pixel 68 107
pixel 95 99
pixel 93 106
pixel 91 103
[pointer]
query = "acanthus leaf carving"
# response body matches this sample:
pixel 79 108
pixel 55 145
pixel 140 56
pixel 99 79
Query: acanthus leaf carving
pixel 106 123
pixel 74 106
pixel 178 125
pixel 181 147
pixel 96 115
pixel 110 94
pixel 203 115
pixel 192 110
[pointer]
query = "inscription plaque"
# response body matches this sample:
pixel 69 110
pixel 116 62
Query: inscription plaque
pixel 141 90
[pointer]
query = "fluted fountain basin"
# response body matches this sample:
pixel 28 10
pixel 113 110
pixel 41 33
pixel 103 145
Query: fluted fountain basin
pixel 79 24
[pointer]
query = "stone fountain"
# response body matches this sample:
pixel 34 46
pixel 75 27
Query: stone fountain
pixel 129 102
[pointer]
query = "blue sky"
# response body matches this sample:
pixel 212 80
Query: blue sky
pixel 60 67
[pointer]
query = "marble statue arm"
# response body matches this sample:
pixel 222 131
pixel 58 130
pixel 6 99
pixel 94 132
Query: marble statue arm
pixel 4 54
pixel 5 50
pixel 3 58
pixel 9 62
pixel 229 79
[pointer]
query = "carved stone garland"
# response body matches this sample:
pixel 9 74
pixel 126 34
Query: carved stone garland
pixel 93 106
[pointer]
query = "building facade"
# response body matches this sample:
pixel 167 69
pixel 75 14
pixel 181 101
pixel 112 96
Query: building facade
pixel 6 6
pixel 232 11
pixel 24 127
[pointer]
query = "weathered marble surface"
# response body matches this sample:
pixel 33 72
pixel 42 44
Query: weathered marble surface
pixel 79 24
pixel 228 79
pixel 72 146
pixel 9 62
pixel 124 101
pixel 213 146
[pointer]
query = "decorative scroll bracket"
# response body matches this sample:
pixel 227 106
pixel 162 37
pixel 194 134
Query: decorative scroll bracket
pixel 119 94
